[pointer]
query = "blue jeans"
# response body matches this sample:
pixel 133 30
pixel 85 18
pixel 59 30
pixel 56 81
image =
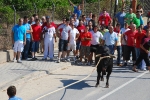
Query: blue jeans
pixel 111 48
pixel 26 48
pixel 118 54
pixel 35 46
pixel 137 51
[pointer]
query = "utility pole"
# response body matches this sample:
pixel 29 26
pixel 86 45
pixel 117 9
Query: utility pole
pixel 115 10
pixel 134 3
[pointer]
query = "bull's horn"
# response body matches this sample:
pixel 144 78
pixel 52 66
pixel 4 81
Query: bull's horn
pixel 98 55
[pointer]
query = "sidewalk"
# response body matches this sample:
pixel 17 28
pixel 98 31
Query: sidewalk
pixel 16 73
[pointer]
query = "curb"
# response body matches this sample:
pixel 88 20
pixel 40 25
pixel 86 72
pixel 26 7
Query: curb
pixel 32 76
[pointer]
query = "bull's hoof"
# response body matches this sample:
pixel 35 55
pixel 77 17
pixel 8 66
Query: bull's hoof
pixel 102 79
pixel 107 86
pixel 96 85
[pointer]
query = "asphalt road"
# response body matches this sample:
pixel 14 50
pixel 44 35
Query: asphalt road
pixel 124 85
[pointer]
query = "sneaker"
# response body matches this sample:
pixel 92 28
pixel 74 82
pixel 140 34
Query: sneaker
pixel 74 59
pixel 143 69
pixel 19 61
pixel 44 58
pixel 80 63
pixel 63 60
pixel 89 64
pixel 125 64
pixel 58 61
pixel 35 58
pixel 14 60
pixel 51 59
pixel 68 59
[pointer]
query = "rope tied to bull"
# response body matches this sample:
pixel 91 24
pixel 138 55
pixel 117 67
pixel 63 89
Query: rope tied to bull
pixel 111 56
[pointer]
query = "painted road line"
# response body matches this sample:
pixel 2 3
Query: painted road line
pixel 120 87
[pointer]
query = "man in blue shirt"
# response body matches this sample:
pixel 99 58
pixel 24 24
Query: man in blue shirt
pixel 110 39
pixel 120 17
pixel 11 92
pixel 18 39
pixel 28 37
pixel 77 9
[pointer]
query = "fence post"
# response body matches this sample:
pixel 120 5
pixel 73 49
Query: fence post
pixel 35 8
pixel 53 10
pixel 14 15
pixel 111 4
pixel 99 7
pixel 85 7
pixel 115 10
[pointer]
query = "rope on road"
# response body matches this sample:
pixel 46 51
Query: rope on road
pixel 78 80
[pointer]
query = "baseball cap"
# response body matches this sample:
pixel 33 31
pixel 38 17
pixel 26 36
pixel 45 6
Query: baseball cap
pixel 47 17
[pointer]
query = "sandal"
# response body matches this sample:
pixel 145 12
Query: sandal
pixel 135 70
pixel 148 68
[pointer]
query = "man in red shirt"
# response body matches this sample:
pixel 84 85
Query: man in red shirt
pixel 37 29
pixel 138 38
pixel 130 43
pixel 86 38
pixel 81 29
pixel 104 20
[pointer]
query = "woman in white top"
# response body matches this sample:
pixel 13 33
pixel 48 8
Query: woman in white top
pixel 118 44
pixel 95 42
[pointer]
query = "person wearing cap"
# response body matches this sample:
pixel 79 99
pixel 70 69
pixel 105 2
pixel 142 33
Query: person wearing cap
pixel 120 16
pixel 73 36
pixel 63 39
pixel 49 36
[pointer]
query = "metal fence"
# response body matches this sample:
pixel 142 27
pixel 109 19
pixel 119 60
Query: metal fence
pixel 8 17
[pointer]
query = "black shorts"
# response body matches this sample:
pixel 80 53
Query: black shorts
pixel 129 50
pixel 93 48
pixel 124 50
pixel 141 57
pixel 63 45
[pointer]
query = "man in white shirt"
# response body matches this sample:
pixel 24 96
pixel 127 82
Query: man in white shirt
pixel 63 39
pixel 49 35
pixel 95 42
pixel 73 36
pixel 76 21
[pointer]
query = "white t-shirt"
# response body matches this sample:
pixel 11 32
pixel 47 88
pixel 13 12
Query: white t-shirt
pixel 76 22
pixel 123 30
pixel 50 32
pixel 73 34
pixel 96 37
pixel 65 31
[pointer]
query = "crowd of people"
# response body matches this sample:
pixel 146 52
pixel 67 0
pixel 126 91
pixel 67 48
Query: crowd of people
pixel 82 35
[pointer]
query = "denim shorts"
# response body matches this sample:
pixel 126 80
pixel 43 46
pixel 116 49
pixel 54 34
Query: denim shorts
pixel 77 45
pixel 63 45
pixel 35 46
